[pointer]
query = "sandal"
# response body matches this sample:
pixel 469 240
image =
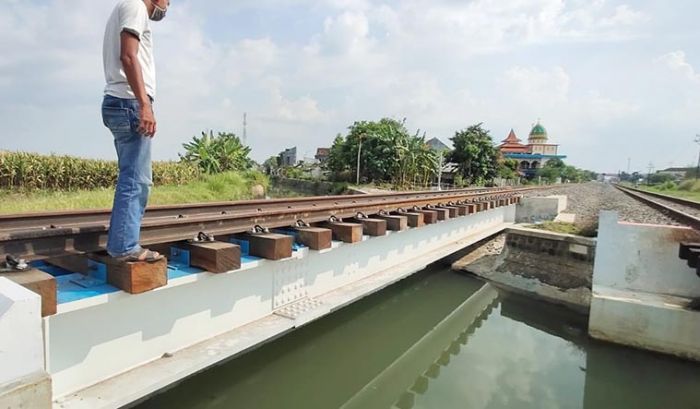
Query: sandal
pixel 142 256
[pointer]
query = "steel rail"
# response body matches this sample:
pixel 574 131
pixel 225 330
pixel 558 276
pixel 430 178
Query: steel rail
pixel 89 236
pixel 676 214
pixel 678 200
pixel 47 220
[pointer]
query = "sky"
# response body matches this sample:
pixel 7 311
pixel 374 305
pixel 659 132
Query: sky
pixel 611 81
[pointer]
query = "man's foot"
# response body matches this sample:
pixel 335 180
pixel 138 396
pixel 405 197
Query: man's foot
pixel 142 255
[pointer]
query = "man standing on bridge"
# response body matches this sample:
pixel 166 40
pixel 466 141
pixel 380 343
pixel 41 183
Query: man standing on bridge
pixel 128 113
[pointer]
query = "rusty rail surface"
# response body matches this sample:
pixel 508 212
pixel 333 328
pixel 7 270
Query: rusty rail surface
pixel 678 215
pixel 43 235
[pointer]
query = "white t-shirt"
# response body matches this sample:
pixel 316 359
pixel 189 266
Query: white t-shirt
pixel 131 16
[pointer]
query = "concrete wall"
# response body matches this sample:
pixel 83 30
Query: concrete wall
pixel 641 288
pixel 537 209
pixel 562 246
pixel 23 382
pixel 554 267
pixel 644 258
pixel 119 332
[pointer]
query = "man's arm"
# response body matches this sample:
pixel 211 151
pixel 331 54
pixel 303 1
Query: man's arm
pixel 134 75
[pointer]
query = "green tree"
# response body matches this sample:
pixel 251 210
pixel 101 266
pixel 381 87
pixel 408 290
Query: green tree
pixel 475 154
pixel 388 154
pixel 508 168
pixel 216 154
pixel 552 170
pixel 271 165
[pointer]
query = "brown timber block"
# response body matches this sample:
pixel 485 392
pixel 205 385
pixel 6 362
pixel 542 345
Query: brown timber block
pixel 215 256
pixel 414 219
pixel 429 216
pixel 136 277
pixel 453 211
pixel 394 222
pixel 346 232
pixel 372 226
pixel 271 246
pixel 442 214
pixel 462 210
pixel 73 263
pixel 315 238
pixel 39 282
pixel 472 208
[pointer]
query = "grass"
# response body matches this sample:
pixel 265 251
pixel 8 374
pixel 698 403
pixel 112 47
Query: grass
pixel 221 187
pixel 688 189
pixel 567 228
pixel 678 193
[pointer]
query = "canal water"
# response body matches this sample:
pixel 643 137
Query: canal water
pixel 441 340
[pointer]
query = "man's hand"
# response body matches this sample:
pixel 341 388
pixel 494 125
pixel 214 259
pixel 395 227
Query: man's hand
pixel 147 125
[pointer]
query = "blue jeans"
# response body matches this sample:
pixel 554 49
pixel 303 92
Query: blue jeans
pixel 121 116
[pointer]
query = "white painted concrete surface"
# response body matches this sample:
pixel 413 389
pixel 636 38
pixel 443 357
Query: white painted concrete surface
pixel 201 320
pixel 643 258
pixel 537 209
pixel 21 339
pixel 23 382
pixel 641 288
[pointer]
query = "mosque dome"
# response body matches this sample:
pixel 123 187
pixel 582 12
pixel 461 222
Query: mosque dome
pixel 538 132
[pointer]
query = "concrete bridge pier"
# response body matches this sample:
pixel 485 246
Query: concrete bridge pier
pixel 642 289
pixel 23 381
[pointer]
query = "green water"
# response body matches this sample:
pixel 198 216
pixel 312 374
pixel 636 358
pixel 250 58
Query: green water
pixel 441 340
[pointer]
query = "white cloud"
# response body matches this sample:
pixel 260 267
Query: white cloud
pixel 539 86
pixel 442 64
pixel 676 61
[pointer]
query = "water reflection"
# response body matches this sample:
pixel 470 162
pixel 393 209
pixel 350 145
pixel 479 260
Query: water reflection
pixel 441 340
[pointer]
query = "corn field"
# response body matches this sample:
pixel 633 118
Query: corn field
pixel 28 171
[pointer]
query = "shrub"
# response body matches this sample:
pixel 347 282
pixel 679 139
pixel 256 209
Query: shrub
pixel 28 171
pixel 667 186
pixel 690 185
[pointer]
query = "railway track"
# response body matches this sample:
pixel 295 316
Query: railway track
pixel 44 235
pixel 684 211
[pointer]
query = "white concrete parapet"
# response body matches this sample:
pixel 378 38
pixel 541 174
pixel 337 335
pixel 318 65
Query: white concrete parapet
pixel 23 381
pixel 641 288
pixel 537 209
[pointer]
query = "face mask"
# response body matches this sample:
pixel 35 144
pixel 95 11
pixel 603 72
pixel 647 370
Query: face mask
pixel 158 13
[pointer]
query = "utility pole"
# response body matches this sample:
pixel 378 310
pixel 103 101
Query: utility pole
pixel 439 171
pixel 697 170
pixel 651 168
pixel 629 165
pixel 245 129
pixel 359 151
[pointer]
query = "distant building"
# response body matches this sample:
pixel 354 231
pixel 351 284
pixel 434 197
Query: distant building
pixel 289 157
pixel 436 145
pixel 677 173
pixel 532 156
pixel 609 177
pixel 322 154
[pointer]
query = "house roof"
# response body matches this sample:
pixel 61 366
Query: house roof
pixel 512 144
pixel 437 145
pixel 511 138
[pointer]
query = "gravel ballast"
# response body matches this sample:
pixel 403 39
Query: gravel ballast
pixel 588 199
